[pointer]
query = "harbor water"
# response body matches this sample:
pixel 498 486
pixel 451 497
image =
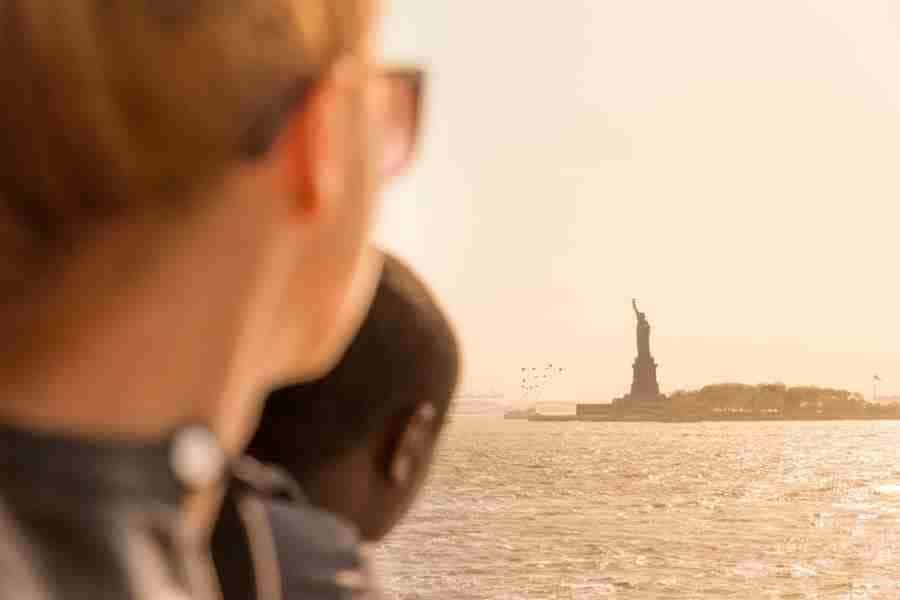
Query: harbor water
pixel 524 510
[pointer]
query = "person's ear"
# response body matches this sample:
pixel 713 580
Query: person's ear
pixel 311 146
pixel 412 447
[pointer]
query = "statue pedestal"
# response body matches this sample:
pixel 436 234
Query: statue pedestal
pixel 644 383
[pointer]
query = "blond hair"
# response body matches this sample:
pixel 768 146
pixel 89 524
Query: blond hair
pixel 118 108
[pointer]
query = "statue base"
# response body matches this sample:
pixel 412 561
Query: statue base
pixel 644 382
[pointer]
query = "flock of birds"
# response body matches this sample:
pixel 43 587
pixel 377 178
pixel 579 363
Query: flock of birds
pixel 535 380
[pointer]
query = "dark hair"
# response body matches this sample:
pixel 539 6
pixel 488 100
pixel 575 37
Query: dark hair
pixel 404 355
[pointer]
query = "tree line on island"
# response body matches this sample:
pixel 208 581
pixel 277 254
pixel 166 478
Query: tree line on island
pixel 776 401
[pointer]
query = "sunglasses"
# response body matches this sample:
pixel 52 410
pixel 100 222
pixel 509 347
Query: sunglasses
pixel 399 93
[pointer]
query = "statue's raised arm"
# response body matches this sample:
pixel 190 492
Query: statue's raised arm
pixel 634 304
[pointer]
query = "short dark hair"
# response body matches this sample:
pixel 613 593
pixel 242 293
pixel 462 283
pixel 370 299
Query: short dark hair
pixel 404 355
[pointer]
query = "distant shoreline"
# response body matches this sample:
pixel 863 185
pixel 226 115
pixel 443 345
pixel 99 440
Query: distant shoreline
pixel 728 402
pixel 526 415
pixel 729 419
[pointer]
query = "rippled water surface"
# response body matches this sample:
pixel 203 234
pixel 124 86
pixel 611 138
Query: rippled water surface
pixel 644 510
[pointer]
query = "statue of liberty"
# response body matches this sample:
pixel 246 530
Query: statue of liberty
pixel 644 384
pixel 643 331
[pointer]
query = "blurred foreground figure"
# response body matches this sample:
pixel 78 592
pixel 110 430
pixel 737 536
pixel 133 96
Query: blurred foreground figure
pixel 359 442
pixel 186 191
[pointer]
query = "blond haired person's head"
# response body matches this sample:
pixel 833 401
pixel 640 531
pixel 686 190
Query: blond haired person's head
pixel 186 191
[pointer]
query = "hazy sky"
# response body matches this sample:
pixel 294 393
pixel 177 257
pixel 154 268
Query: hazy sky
pixel 732 164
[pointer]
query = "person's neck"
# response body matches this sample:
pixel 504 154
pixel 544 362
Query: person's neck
pixel 170 347
pixel 135 362
pixel 154 325
pixel 347 487
pixel 132 363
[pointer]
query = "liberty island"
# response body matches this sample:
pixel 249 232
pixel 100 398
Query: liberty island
pixel 719 402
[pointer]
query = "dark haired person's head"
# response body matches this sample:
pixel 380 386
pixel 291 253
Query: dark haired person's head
pixel 360 440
